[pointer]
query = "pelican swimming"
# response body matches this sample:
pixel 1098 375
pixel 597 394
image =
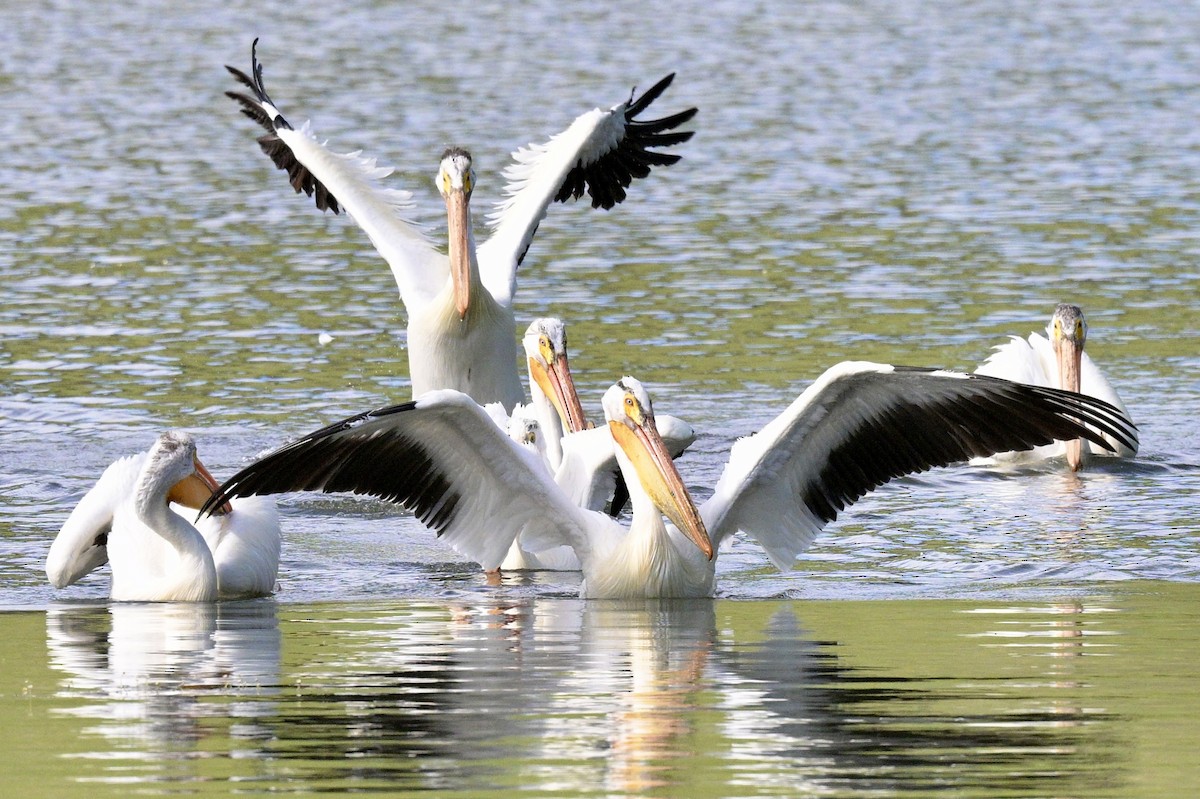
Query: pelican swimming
pixel 154 552
pixel 460 304
pixel 581 458
pixel 858 426
pixel 1057 360
pixel 555 402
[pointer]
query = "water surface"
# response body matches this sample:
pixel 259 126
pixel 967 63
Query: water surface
pixel 902 182
pixel 518 697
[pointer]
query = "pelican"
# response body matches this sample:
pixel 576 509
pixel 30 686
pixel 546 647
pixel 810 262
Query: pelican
pixel 1057 360
pixel 555 402
pixel 859 425
pixel 580 457
pixel 156 555
pixel 460 304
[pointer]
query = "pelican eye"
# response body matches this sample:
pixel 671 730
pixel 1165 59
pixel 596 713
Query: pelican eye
pixel 632 409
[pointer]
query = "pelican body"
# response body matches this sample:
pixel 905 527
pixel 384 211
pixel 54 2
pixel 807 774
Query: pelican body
pixel 155 554
pixel 1057 360
pixel 581 458
pixel 460 304
pixel 858 426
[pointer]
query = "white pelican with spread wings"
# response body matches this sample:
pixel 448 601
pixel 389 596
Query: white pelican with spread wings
pixel 461 327
pixel 858 426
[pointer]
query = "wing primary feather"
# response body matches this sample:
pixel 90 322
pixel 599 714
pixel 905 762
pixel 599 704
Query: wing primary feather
pixel 664 139
pixel 262 109
pixel 868 424
pixel 387 465
pixel 1091 412
pixel 242 77
pixel 606 177
pixel 251 107
pixel 310 460
pixel 257 70
pixel 650 95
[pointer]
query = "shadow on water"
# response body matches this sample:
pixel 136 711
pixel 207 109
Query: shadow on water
pixel 591 698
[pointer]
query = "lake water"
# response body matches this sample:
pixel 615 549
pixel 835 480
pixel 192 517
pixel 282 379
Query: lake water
pixel 903 182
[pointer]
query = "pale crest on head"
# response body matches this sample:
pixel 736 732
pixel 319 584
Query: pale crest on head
pixel 548 329
pixel 455 172
pixel 1069 322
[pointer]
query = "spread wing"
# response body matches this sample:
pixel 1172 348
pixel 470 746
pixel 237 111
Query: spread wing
pixel 862 424
pixel 81 546
pixel 346 181
pixel 600 154
pixel 442 457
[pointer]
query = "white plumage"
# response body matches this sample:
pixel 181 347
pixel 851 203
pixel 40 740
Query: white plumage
pixel 127 520
pixel 1057 360
pixel 857 426
pixel 460 304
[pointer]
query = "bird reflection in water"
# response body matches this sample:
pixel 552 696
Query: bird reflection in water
pixel 493 693
pixel 653 726
pixel 159 677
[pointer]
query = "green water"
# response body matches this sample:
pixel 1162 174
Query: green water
pixel 899 181
pixel 1071 695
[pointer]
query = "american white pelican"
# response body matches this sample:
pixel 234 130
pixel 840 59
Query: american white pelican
pixel 1057 360
pixel 155 553
pixel 555 402
pixel 460 305
pixel 858 426
pixel 581 458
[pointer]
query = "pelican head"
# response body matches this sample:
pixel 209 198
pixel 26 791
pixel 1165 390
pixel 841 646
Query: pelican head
pixel 455 180
pixel 1067 332
pixel 526 430
pixel 173 464
pixel 545 343
pixel 631 420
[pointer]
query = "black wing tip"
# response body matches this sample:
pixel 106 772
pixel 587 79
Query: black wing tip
pixel 219 498
pixel 1005 415
pixel 254 82
pixel 1091 411
pixel 606 178
pixel 230 488
pixel 383 462
pixel 242 77
pixel 262 109
pixel 637 106
pixel 665 123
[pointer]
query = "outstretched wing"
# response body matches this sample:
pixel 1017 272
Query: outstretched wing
pixel 347 181
pixel 601 153
pixel 1033 361
pixel 862 424
pixel 441 456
